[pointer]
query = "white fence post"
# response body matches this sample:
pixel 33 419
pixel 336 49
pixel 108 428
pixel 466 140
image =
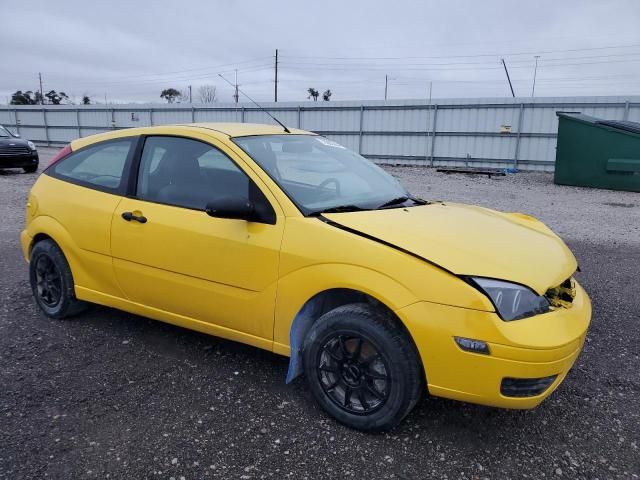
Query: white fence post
pixel 433 134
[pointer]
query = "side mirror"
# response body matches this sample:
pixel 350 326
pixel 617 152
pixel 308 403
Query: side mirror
pixel 15 134
pixel 233 208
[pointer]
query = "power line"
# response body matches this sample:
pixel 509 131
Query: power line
pixel 432 67
pixel 500 54
pixel 124 78
pixel 484 62
pixel 183 77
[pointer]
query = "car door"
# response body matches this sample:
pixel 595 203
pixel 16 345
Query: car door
pixel 80 192
pixel 185 262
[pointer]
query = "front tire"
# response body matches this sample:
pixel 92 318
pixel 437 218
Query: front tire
pixel 31 168
pixel 362 367
pixel 52 282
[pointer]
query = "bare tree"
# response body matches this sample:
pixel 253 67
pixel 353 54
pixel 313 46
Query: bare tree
pixel 183 97
pixel 207 93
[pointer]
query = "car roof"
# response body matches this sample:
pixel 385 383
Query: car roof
pixel 216 129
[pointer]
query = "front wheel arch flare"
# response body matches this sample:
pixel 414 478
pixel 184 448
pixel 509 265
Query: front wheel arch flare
pixel 317 306
pixel 39 238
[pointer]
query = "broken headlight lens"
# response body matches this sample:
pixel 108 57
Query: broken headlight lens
pixel 512 301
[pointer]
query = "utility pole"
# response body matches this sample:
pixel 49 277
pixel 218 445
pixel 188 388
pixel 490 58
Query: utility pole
pixel 275 96
pixel 535 71
pixel 235 95
pixel 190 94
pixel 430 88
pixel 508 78
pixel 386 82
pixel 41 96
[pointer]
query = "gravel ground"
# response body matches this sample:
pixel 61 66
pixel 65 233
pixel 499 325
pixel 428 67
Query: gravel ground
pixel 112 395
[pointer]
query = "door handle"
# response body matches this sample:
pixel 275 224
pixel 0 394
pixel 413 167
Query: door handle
pixel 128 216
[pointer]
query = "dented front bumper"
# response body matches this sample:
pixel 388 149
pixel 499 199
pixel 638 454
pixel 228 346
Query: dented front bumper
pixel 531 349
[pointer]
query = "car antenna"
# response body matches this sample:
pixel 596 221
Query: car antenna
pixel 256 104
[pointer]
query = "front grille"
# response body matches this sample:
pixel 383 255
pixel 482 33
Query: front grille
pixel 525 387
pixel 14 150
pixel 562 295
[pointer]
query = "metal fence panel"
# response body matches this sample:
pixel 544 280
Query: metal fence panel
pixel 30 117
pixel 35 134
pixel 464 147
pixel 7 117
pixel 476 119
pixel 330 120
pixel 91 131
pixel 501 132
pixel 95 118
pixel 132 118
pixel 63 135
pixel 208 115
pixel 289 118
pixel 538 149
pixel 62 118
pixel 348 141
pixel 396 120
pixel 401 145
pixel 165 116
pixel 634 115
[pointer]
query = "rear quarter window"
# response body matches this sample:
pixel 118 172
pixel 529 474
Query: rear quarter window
pixel 100 166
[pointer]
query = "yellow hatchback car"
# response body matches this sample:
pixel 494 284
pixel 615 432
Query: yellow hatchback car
pixel 290 242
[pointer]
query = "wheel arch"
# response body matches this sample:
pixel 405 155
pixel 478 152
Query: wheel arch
pixel 39 237
pixel 324 302
pixel 44 227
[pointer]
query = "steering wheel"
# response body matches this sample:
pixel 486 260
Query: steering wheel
pixel 333 180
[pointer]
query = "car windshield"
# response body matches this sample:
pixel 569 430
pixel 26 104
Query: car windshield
pixel 4 132
pixel 320 175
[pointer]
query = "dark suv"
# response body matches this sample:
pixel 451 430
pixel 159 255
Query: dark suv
pixel 16 152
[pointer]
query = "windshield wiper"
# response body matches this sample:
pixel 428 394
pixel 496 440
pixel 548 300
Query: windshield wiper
pixel 402 199
pixel 339 209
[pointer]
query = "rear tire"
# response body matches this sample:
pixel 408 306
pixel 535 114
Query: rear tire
pixel 362 367
pixel 52 282
pixel 30 168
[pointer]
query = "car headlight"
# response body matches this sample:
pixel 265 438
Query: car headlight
pixel 32 145
pixel 512 301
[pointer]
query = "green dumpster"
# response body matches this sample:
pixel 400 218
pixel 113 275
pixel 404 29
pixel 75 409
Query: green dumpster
pixel 598 153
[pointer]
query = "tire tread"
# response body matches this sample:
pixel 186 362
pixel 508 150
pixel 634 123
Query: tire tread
pixel 69 305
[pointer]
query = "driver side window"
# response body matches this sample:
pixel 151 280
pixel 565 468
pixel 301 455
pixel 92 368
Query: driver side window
pixel 187 173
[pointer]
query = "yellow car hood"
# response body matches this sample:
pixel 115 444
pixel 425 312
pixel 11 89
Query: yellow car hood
pixel 469 240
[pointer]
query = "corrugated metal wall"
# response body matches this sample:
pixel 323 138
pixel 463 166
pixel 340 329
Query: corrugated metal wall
pixel 479 132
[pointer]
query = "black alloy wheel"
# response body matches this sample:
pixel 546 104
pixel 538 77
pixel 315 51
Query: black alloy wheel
pixel 52 281
pixel 48 281
pixel 362 366
pixel 353 374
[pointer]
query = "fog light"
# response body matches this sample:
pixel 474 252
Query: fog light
pixel 471 345
pixel 525 387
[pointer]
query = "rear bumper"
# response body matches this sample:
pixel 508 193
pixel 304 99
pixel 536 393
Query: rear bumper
pixel 19 161
pixel 525 350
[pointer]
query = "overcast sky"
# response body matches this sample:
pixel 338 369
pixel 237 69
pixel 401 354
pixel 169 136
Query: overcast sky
pixel 131 50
